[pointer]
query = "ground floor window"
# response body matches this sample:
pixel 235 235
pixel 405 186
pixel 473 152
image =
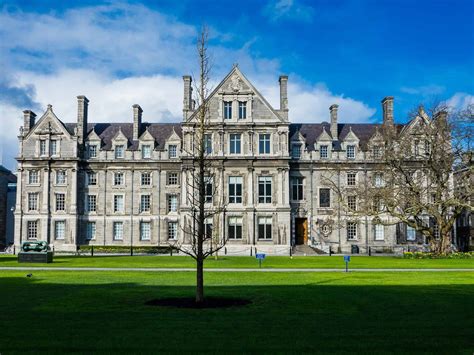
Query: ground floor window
pixel 208 228
pixel 379 232
pixel 145 229
pixel 411 233
pixel 90 230
pixel 32 229
pixel 351 230
pixel 172 230
pixel 59 229
pixel 118 231
pixel 235 227
pixel 265 228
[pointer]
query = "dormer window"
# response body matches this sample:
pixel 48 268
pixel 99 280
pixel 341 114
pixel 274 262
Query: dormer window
pixel 242 110
pixel 296 151
pixel 227 110
pixel 172 151
pixel 350 152
pixel 42 147
pixel 119 151
pixel 323 152
pixel 146 151
pixel 92 151
pixel 377 152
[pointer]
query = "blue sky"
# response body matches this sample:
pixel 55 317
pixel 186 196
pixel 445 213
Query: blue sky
pixel 119 53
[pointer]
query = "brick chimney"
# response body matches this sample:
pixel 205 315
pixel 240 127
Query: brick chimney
pixel 188 95
pixel 28 120
pixel 82 113
pixel 137 121
pixel 284 95
pixel 333 113
pixel 387 106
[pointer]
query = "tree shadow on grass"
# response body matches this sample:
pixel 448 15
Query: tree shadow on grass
pixel 113 317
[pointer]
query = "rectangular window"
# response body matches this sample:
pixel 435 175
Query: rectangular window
pixel 264 144
pixel 118 179
pixel 91 203
pixel 43 147
pixel 352 203
pixel 350 152
pixel 60 202
pixel 242 110
pixel 118 230
pixel 33 177
pixel 296 151
pixel 53 147
pixel 32 229
pixel 379 232
pixel 172 203
pixel 60 177
pixel 209 189
pixel 91 178
pixel 297 189
pixel 145 204
pixel 145 231
pixel 265 228
pixel 145 178
pixel 235 189
pixel 33 201
pixel 172 230
pixel 146 151
pixel 351 179
pixel 427 148
pixel 227 110
pixel 92 151
pixel 378 180
pixel 351 231
pixel 119 151
pixel 208 143
pixel 235 228
pixel 234 144
pixel 172 151
pixel 264 189
pixel 172 179
pixel 90 231
pixel 416 148
pixel 208 228
pixel 324 197
pixel 59 229
pixel 323 152
pixel 118 203
pixel 377 152
pixel 411 233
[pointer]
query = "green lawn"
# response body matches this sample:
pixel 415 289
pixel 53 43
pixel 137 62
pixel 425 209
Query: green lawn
pixel 247 262
pixel 85 312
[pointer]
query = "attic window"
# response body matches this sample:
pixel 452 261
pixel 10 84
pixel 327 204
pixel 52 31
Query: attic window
pixel 350 152
pixel 146 152
pixel 227 110
pixel 323 152
pixel 119 151
pixel 296 151
pixel 92 151
pixel 172 151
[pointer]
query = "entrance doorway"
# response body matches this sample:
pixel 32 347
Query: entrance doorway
pixel 301 231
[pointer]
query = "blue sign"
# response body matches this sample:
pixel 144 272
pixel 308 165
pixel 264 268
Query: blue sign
pixel 347 258
pixel 260 256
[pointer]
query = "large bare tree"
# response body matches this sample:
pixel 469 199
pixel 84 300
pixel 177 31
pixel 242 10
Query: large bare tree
pixel 204 203
pixel 412 181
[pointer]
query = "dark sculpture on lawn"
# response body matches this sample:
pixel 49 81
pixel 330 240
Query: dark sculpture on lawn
pixel 34 246
pixel 35 252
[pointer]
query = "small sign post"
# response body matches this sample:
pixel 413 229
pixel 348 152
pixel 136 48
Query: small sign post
pixel 260 257
pixel 347 258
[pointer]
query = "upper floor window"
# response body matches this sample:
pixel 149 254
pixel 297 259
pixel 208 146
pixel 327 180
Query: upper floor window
pixel 60 202
pixel 427 148
pixel 377 152
pixel 352 202
pixel 33 201
pixel 208 143
pixel 296 151
pixel 264 143
pixel 118 203
pixel 92 151
pixel 53 147
pixel 60 177
pixel 145 203
pixel 265 228
pixel 146 178
pixel 209 189
pixel 297 188
pixel 264 189
pixel 33 177
pixel 378 179
pixel 119 151
pixel 324 197
pixel 91 178
pixel 172 230
pixel 235 142
pixel 416 147
pixel 91 203
pixel 32 229
pixel 146 151
pixel 172 203
pixel 208 228
pixel 351 179
pixel 351 229
pixel 172 151
pixel 350 152
pixel 227 110
pixel 242 110
pixel 235 189
pixel 42 146
pixel 235 227
pixel 118 179
pixel 379 232
pixel 411 233
pixel 323 152
pixel 172 179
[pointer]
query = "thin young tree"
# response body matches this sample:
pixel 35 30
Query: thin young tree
pixel 204 203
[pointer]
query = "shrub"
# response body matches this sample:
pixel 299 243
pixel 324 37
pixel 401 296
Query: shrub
pixel 118 249
pixel 423 255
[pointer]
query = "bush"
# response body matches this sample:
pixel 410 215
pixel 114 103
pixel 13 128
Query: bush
pixel 117 249
pixel 422 255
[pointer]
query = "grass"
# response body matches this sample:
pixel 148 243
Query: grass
pixel 86 312
pixel 323 262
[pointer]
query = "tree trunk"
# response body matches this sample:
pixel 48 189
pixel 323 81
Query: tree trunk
pixel 445 247
pixel 199 280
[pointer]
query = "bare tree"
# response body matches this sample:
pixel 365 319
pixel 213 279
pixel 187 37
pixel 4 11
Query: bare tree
pixel 204 203
pixel 412 180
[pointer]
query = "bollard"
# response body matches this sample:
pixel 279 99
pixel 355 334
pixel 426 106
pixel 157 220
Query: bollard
pixel 131 250
pixel 291 249
pixel 250 251
pixel 14 250
pixel 370 251
pixel 171 251
pixel 92 250
pixel 330 251
pixel 225 251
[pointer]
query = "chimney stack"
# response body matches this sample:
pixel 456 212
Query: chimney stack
pixel 333 112
pixel 137 121
pixel 28 120
pixel 82 109
pixel 284 95
pixel 387 106
pixel 188 95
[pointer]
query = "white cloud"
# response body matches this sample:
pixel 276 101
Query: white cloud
pixel 425 91
pixel 288 10
pixel 460 100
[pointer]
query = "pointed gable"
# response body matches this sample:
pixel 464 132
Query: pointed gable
pixel 49 123
pixel 146 136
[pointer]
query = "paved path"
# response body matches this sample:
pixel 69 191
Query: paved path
pixel 43 268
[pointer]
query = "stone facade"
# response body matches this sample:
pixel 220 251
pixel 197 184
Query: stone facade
pixel 6 178
pixel 124 183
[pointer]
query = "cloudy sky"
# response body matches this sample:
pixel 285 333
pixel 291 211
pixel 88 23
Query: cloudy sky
pixel 120 53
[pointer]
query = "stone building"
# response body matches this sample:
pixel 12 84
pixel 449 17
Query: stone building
pixel 6 178
pixel 124 183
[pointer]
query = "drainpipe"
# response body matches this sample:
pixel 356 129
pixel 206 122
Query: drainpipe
pixel 366 217
pixel 339 209
pixel 105 204
pixel 131 216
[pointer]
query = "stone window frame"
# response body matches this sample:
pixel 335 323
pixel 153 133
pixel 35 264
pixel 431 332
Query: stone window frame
pixel 351 178
pixel 237 138
pixel 172 229
pixel 321 151
pixel 170 178
pixel 296 150
pixel 121 150
pixel 115 204
pixel 146 179
pixel 352 203
pixel 116 174
pixel 60 202
pixel 89 234
pixel 267 143
pixel 37 174
pixel 328 203
pixel 351 230
pixel 43 148
pixel 32 229
pixel 89 150
pixel 351 151
pixel 142 230
pixel 227 109
pixel 172 206
pixel 56 223
pixel 234 222
pixel 208 189
pixel 57 174
pixel 172 151
pixel 242 106
pixel 145 206
pixel 377 234
pixel 57 147
pixel 300 185
pixel 236 198
pixel 208 143
pixel 267 198
pixel 143 149
pixel 88 203
pixel 33 199
pixel 265 225
pixel 89 181
pixel 115 236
